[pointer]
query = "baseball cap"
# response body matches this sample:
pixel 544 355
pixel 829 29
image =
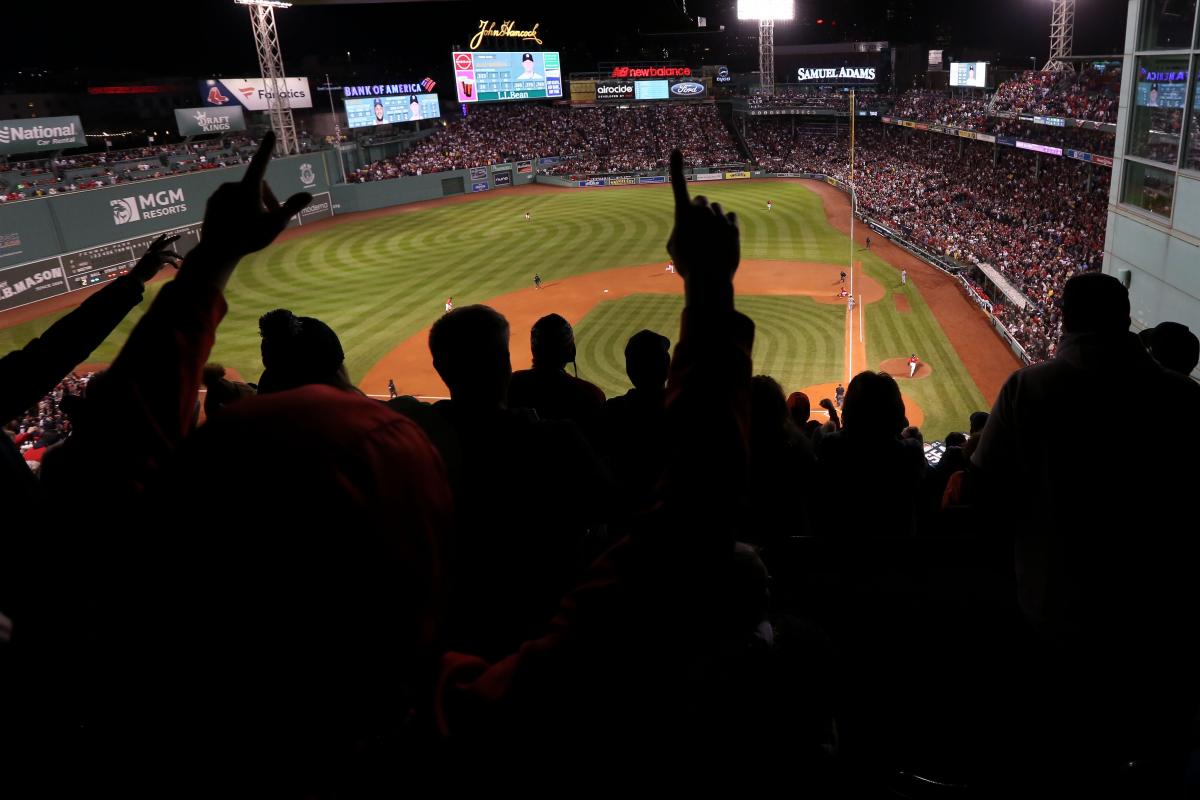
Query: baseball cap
pixel 527 57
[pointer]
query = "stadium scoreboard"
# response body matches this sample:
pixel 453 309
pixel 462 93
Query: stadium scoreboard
pixel 363 112
pixel 486 77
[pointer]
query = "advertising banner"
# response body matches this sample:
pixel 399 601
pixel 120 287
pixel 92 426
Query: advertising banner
pixel 40 133
pixel 197 121
pixel 252 94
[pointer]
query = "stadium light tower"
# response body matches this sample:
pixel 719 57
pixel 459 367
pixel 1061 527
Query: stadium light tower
pixel 766 12
pixel 1062 35
pixel 270 63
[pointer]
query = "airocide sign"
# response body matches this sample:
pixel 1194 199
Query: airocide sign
pixel 614 90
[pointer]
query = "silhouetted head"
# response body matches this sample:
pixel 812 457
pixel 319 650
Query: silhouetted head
pixel 978 421
pixel 648 360
pixel 873 406
pixel 768 407
pixel 552 342
pixel 1173 345
pixel 298 351
pixel 955 439
pixel 800 407
pixel 470 352
pixel 1095 303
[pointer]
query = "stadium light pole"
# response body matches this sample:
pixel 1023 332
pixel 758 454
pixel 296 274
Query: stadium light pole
pixel 766 12
pixel 270 63
pixel 337 129
pixel 1062 35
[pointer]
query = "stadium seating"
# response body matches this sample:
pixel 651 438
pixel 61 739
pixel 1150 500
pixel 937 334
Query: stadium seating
pixel 326 593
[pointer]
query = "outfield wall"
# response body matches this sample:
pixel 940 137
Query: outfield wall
pixel 62 243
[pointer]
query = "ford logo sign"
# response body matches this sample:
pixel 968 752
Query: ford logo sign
pixel 687 88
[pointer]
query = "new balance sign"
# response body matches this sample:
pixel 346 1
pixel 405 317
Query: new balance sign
pixel 44 133
pixel 163 203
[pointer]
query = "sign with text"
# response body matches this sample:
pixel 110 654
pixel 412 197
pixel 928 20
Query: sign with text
pixel 197 121
pixel 252 94
pixel 484 77
pixel 42 133
pixel 507 29
pixel 362 112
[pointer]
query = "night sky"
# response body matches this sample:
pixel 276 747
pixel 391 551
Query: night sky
pixel 411 39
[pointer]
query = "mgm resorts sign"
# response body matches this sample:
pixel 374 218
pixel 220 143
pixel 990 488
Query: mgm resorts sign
pixel 196 121
pixel 836 74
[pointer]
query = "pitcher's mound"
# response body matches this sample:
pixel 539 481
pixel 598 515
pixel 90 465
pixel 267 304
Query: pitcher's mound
pixel 898 368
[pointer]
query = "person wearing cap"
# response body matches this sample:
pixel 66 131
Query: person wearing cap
pixel 527 65
pixel 1173 345
pixel 414 108
pixel 913 362
pixel 299 351
pixel 378 111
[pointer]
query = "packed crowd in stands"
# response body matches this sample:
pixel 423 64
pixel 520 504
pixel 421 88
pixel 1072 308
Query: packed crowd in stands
pixel 594 139
pixel 936 105
pixel 336 596
pixel 1089 141
pixel 1090 94
pixel 802 97
pixel 1036 229
pixel 47 177
pixel 48 422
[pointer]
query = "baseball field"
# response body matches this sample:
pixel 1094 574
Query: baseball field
pixel 381 278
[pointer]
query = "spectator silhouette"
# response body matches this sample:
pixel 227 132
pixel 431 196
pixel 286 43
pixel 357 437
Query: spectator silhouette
pixel 547 388
pixel 1173 345
pixel 528 491
pixel 800 409
pixel 782 467
pixel 607 665
pixel 634 424
pixel 299 351
pixel 868 450
pixel 1105 576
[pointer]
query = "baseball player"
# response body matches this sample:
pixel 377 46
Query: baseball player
pixel 843 293
pixel 537 281
pixel 527 217
pixel 843 276
pixel 670 266
pixel 770 205
pixel 904 277
pixel 850 303
pixel 868 242
pixel 839 394
pixel 449 304
pixel 391 388
pixel 912 365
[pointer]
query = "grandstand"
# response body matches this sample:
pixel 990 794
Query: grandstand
pixel 616 418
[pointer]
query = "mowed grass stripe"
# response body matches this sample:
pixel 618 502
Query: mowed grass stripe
pixel 381 280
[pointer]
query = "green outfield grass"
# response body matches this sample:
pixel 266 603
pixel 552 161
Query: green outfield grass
pixel 378 281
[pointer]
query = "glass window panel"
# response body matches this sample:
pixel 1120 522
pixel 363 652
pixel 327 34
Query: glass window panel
pixel 1149 187
pixel 1159 98
pixel 1167 24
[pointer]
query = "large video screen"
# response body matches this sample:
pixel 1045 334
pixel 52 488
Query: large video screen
pixel 362 112
pixel 485 77
pixel 650 90
pixel 968 73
